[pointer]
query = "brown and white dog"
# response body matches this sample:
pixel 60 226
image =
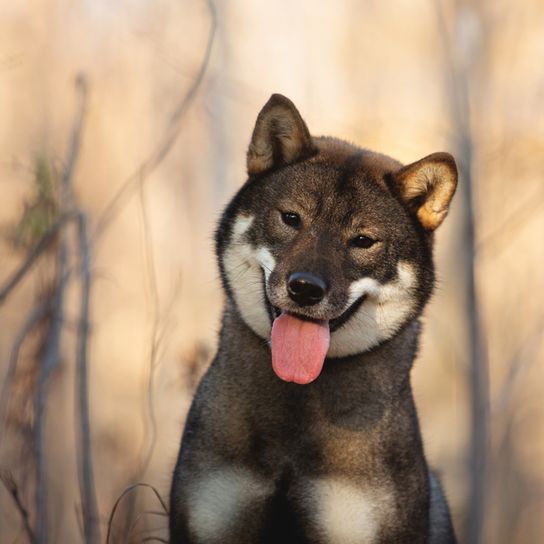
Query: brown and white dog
pixel 304 428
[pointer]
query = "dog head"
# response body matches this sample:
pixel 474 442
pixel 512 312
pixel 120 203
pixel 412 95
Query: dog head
pixel 327 248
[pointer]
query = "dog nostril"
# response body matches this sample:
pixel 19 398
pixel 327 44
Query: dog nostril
pixel 306 289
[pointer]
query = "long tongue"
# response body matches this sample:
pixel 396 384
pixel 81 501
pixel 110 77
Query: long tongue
pixel 299 348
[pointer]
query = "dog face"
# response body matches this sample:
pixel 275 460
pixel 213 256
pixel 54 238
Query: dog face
pixel 327 249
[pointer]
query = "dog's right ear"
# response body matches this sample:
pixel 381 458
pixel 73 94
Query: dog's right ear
pixel 280 136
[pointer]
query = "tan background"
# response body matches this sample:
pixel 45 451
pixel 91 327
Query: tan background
pixel 377 73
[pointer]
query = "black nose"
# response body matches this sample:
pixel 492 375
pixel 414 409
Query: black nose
pixel 306 289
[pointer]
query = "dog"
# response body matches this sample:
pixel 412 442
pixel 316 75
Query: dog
pixel 304 428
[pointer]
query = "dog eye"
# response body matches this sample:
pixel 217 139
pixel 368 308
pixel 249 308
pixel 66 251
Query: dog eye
pixel 362 241
pixel 290 218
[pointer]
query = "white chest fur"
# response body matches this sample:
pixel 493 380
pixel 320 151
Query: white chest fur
pixel 347 514
pixel 219 498
pixel 338 511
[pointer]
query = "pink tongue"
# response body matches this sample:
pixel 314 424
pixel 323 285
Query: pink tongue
pixel 299 348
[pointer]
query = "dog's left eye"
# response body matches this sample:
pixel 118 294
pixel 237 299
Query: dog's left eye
pixel 362 241
pixel 290 218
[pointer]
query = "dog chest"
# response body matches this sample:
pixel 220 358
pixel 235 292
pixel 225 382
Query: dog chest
pixel 332 510
pixel 342 512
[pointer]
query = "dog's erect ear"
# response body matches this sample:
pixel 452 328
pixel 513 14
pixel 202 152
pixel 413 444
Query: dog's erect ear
pixel 280 136
pixel 428 186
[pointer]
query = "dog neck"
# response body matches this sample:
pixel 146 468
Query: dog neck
pixel 365 382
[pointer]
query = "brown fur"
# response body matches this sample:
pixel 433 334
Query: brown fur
pixel 256 449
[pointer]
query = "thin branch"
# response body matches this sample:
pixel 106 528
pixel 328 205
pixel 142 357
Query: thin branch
pixel 35 316
pixel 7 479
pixel 160 319
pixel 87 491
pixel 51 354
pixel 75 138
pixel 149 418
pixel 156 513
pixel 162 150
pixel 137 180
pixel 133 523
pixel 88 494
pixel 38 249
pixel 67 174
pixel 125 492
pixel 48 362
pixel 458 77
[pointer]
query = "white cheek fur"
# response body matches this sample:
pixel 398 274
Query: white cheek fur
pixel 266 260
pixel 381 315
pixel 244 266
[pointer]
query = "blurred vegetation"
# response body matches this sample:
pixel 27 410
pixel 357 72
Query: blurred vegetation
pixel 174 91
pixel 41 211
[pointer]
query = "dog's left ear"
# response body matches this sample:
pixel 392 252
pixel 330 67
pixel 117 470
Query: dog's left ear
pixel 427 186
pixel 280 136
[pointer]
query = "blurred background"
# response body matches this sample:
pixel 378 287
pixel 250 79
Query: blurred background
pixel 124 127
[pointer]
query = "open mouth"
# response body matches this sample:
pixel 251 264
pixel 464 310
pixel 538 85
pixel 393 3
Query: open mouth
pixel 334 324
pixel 300 343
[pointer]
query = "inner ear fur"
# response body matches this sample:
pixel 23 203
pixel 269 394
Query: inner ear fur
pixel 428 186
pixel 280 136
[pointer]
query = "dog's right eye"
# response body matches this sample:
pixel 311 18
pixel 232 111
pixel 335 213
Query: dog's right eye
pixel 290 218
pixel 362 241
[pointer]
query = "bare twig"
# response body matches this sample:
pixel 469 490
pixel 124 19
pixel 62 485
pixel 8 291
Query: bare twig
pixel 75 138
pixel 51 353
pixel 34 317
pixel 49 237
pixel 137 181
pixel 48 362
pixel 7 479
pixel 161 151
pixel 88 495
pixel 125 492
pixel 459 79
pixel 132 527
pixel 52 347
pixel 156 513
pixel 151 432
pixel 51 234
